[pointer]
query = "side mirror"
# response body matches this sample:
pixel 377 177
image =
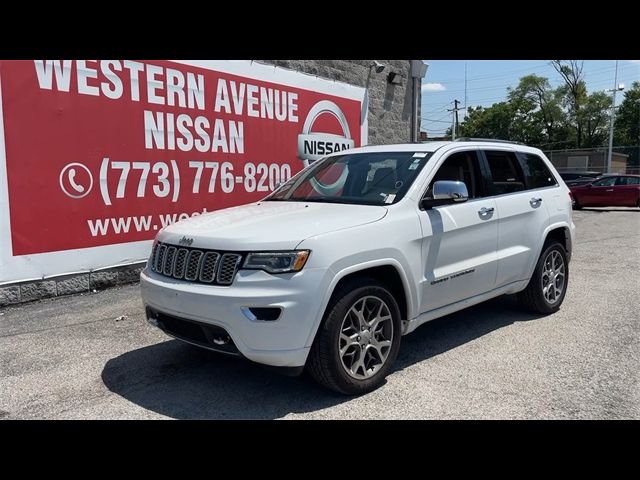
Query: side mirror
pixel 446 192
pixel 589 185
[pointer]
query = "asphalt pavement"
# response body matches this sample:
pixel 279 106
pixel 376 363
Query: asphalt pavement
pixel 94 356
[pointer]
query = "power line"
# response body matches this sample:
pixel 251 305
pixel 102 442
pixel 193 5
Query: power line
pixel 477 89
pixel 504 98
pixel 437 121
pixel 497 75
pixel 484 101
pixel 508 73
pixel 435 111
pixel 441 104
pixel 507 85
pixel 592 85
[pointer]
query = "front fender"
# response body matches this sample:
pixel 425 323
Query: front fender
pixel 341 272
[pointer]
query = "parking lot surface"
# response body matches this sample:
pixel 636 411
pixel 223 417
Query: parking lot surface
pixel 94 356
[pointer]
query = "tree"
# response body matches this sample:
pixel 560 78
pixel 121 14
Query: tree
pixel 576 93
pixel 596 119
pixel 627 131
pixel 532 115
pixel 538 102
pixel 491 122
pixel 562 117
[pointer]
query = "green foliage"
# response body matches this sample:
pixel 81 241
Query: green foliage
pixel 492 122
pixel 554 118
pixel 539 116
pixel 532 114
pixel 627 131
pixel 594 118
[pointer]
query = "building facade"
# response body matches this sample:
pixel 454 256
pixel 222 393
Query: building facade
pixel 588 160
pixel 390 104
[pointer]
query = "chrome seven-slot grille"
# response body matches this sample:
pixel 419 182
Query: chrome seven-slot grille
pixel 194 265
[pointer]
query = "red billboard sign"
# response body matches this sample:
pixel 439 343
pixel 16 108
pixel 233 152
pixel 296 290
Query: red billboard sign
pixel 109 152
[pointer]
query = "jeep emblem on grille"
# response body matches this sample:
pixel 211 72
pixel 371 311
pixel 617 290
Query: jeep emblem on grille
pixel 186 241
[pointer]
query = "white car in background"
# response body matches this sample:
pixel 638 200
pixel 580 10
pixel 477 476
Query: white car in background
pixel 361 248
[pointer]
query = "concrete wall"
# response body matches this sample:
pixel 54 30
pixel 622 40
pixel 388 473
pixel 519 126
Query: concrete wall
pixel 596 160
pixel 389 105
pixel 69 284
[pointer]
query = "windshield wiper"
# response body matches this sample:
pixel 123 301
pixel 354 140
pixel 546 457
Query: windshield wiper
pixel 335 200
pixel 282 200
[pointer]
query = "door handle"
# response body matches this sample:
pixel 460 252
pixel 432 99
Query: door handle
pixel 486 211
pixel 535 201
pixel 609 190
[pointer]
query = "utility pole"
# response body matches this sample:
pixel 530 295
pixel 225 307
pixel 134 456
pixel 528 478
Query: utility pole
pixel 616 88
pixel 465 87
pixel 454 120
pixel 456 102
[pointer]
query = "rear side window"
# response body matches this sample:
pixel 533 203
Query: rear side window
pixel 605 182
pixel 628 181
pixel 570 176
pixel 536 171
pixel 506 174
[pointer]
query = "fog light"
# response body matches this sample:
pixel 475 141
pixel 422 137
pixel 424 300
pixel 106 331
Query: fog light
pixel 266 314
pixel 221 340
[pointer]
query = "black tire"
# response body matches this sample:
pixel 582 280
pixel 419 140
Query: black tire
pixel 324 363
pixel 532 297
pixel 576 204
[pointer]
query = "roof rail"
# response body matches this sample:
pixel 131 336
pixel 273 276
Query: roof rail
pixel 497 140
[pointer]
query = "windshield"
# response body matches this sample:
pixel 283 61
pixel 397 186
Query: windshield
pixel 379 178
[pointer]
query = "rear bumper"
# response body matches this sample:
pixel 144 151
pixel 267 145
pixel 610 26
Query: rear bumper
pixel 571 240
pixel 280 343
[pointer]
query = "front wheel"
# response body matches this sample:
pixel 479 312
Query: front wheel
pixel 358 340
pixel 548 285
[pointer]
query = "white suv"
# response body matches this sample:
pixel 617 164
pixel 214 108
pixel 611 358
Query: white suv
pixel 360 248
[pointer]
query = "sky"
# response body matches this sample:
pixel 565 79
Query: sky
pixel 487 82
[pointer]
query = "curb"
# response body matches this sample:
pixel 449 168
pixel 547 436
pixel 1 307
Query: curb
pixel 22 292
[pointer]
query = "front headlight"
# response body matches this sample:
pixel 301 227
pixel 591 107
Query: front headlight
pixel 277 262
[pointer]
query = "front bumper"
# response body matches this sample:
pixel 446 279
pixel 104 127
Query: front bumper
pixel 281 342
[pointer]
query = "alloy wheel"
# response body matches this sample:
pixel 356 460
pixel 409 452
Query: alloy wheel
pixel 366 336
pixel 553 277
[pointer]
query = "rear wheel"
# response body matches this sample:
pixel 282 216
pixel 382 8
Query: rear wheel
pixel 548 285
pixel 358 340
pixel 576 204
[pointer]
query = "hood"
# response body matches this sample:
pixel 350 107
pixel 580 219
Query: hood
pixel 268 225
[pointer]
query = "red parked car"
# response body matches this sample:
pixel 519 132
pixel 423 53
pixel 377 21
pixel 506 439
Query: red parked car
pixel 608 191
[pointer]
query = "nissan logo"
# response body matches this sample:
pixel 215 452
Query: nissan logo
pixel 315 145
